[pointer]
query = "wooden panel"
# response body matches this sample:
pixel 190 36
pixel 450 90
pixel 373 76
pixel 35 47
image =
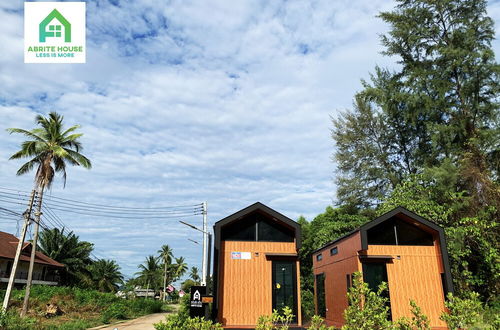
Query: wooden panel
pixel 336 268
pixel 245 285
pixel 415 275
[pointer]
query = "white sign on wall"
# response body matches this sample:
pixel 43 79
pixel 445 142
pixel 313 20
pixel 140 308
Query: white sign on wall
pixel 241 255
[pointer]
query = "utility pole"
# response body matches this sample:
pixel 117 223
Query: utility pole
pixel 33 251
pixel 204 261
pixel 27 217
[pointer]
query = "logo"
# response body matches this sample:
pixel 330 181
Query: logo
pixel 54 32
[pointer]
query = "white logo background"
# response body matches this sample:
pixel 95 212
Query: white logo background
pixel 35 13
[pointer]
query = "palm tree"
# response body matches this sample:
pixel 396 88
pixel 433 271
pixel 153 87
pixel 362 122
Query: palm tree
pixel 150 272
pixel 104 275
pixel 180 267
pixel 166 255
pixel 68 250
pixel 49 148
pixel 194 275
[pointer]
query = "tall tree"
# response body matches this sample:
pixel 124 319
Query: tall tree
pixel 68 249
pixel 150 273
pixel 49 148
pixel 166 255
pixel 104 275
pixel 194 275
pixel 440 107
pixel 180 268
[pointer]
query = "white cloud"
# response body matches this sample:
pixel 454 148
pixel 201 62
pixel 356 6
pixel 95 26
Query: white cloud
pixel 188 101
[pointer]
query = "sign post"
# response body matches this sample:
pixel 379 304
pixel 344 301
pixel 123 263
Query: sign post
pixel 196 305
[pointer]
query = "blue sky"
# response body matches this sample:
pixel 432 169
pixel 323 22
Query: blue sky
pixel 182 102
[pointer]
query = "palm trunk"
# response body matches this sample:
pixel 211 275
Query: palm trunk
pixel 33 252
pixel 147 290
pixel 165 283
pixel 13 271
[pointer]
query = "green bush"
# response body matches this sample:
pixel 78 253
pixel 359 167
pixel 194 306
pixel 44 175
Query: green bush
pixel 463 312
pixel 270 322
pixel 12 321
pixel 117 311
pixel 174 322
pixel 367 310
pixel 317 323
pixel 307 302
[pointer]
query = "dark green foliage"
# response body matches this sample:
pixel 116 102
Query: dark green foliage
pixel 463 312
pixel 82 308
pixel 67 249
pixel 307 303
pixel 325 227
pixel 426 136
pixel 367 309
pixel 103 275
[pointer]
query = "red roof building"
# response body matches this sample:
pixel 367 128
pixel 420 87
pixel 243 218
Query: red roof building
pixel 45 270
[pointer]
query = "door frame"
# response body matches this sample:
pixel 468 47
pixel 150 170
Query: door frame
pixel 294 283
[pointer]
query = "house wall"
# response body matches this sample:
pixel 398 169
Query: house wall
pixel 415 273
pixel 335 269
pixel 22 269
pixel 245 291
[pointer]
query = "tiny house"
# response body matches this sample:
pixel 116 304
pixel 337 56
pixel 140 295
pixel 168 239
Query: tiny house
pixel 256 266
pixel 400 248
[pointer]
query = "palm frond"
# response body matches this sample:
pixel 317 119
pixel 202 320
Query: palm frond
pixel 31 134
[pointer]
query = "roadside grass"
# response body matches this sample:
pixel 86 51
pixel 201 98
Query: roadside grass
pixel 81 308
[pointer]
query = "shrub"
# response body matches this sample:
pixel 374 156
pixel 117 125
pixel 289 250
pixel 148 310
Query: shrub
pixel 367 310
pixel 12 321
pixel 317 323
pixel 197 323
pixel 419 321
pixel 268 322
pixel 307 302
pixel 116 311
pixel 463 312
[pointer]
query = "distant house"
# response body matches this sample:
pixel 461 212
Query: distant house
pixel 400 248
pixel 45 270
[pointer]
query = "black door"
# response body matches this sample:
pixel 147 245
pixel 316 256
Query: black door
pixel 374 273
pixel 320 294
pixel 284 285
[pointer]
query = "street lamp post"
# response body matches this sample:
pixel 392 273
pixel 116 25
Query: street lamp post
pixel 206 258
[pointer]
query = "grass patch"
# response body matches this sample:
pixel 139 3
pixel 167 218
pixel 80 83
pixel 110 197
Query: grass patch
pixel 81 308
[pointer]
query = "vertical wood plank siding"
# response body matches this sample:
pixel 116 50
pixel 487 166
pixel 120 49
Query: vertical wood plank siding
pixel 245 285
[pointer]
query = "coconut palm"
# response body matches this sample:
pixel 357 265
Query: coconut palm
pixel 166 255
pixel 180 267
pixel 67 249
pixel 150 272
pixel 194 275
pixel 104 275
pixel 49 148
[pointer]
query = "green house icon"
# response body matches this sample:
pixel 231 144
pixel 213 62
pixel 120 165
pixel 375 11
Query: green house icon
pixel 54 30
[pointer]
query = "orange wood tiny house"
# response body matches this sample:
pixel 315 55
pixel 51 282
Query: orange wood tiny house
pixel 400 248
pixel 256 266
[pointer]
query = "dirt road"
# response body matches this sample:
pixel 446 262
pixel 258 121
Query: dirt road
pixel 141 323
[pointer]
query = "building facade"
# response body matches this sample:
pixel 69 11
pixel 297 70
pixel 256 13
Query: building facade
pixel 45 270
pixel 400 248
pixel 256 266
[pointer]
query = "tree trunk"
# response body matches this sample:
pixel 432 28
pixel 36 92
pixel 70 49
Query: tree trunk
pixel 165 283
pixel 33 252
pixel 13 271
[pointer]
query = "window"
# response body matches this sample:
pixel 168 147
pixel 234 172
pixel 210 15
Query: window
pixel 257 227
pixel 319 257
pixel 348 281
pixel 320 295
pixel 398 232
pixel 334 251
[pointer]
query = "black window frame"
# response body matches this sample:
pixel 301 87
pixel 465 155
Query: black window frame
pixel 319 257
pixel 334 250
